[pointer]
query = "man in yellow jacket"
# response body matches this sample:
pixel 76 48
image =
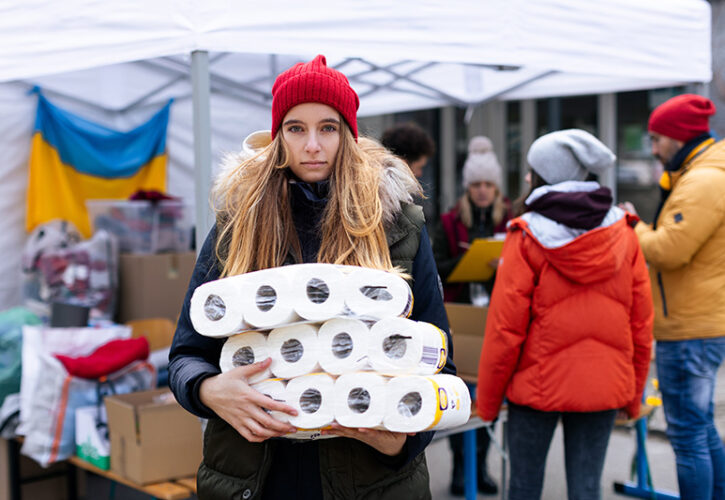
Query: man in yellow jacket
pixel 685 249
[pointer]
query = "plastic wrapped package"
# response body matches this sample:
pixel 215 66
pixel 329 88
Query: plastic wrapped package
pixel 83 273
pixel 297 294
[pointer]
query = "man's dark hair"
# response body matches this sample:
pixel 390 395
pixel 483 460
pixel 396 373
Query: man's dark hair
pixel 409 141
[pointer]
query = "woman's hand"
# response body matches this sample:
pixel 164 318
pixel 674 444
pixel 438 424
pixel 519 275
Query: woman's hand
pixel 493 263
pixel 386 442
pixel 232 399
pixel 627 206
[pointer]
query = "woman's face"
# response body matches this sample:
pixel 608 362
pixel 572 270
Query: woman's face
pixel 312 133
pixel 482 194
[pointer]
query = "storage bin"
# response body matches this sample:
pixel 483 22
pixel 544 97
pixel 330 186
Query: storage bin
pixel 142 226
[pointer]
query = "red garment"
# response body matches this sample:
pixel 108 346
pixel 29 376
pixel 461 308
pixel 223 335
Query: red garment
pixel 457 232
pixel 457 238
pixel 108 358
pixel 570 327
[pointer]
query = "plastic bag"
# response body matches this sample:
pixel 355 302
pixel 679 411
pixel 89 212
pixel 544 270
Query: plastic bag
pixel 11 341
pixel 50 427
pixel 40 341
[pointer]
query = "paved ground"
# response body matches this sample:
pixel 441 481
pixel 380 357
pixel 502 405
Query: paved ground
pixel 617 467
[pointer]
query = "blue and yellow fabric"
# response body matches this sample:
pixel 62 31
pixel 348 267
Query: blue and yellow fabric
pixel 73 160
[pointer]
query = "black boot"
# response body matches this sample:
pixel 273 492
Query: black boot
pixel 458 483
pixel 486 484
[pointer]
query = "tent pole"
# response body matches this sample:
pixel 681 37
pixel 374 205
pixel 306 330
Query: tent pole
pixel 528 136
pixel 607 127
pixel 202 143
pixel 447 156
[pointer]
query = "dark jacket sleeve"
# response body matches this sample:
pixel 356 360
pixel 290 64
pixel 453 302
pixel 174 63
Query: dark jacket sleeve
pixel 442 253
pixel 428 307
pixel 194 357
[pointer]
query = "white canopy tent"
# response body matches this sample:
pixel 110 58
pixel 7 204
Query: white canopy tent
pixel 117 62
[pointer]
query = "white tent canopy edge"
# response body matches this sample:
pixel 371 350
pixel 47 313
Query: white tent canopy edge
pixel 460 53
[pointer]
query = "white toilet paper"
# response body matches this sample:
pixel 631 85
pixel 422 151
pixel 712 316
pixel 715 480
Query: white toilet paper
pixel 403 346
pixel 360 399
pixel 216 307
pixel 375 294
pixel 343 345
pixel 294 350
pixel 312 396
pixel 418 403
pixel 267 299
pixel 318 291
pixel 244 349
pixel 274 388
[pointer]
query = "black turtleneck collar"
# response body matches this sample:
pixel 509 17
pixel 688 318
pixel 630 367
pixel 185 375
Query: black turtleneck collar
pixel 313 191
pixel 308 201
pixel 482 221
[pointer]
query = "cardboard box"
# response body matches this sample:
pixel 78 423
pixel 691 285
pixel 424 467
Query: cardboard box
pixel 153 439
pixel 467 324
pixel 92 436
pixel 153 286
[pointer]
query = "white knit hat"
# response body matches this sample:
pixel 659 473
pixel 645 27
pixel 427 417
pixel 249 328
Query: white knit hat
pixel 481 164
pixel 568 155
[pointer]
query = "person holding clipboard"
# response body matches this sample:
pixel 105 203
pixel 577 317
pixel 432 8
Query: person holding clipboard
pixel 481 212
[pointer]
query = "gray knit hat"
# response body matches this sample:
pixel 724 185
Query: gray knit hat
pixel 481 164
pixel 568 155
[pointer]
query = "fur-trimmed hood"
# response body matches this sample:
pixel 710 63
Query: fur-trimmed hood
pixel 398 184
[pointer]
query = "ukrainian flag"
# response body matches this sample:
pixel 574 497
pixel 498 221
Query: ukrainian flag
pixel 73 160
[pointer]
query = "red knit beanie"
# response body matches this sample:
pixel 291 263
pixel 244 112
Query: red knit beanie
pixel 313 82
pixel 683 117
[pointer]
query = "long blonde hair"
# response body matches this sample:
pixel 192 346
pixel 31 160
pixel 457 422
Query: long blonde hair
pixel 254 219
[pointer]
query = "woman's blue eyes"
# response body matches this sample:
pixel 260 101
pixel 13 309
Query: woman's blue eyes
pixel 325 128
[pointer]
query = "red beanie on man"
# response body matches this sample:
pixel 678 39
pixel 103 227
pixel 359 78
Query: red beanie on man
pixel 313 82
pixel 683 117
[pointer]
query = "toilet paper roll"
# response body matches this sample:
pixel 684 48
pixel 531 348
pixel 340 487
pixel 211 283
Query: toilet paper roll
pixel 318 291
pixel 267 299
pixel 343 344
pixel 360 399
pixel 274 388
pixel 375 294
pixel 312 396
pixel 216 307
pixel 417 403
pixel 294 350
pixel 244 349
pixel 403 346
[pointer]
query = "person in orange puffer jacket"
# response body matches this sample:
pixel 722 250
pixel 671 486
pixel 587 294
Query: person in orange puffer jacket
pixel 569 328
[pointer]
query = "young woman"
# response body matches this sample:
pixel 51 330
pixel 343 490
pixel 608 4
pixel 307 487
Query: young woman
pixel 481 212
pixel 569 330
pixel 312 191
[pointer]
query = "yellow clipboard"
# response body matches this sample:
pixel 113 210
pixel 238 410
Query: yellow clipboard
pixel 474 264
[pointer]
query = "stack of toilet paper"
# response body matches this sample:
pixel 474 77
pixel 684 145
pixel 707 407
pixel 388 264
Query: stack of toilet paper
pixel 341 345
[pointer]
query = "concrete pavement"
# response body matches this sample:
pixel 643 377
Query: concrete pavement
pixel 620 453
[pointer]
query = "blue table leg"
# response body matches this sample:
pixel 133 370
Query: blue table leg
pixel 469 461
pixel 642 488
